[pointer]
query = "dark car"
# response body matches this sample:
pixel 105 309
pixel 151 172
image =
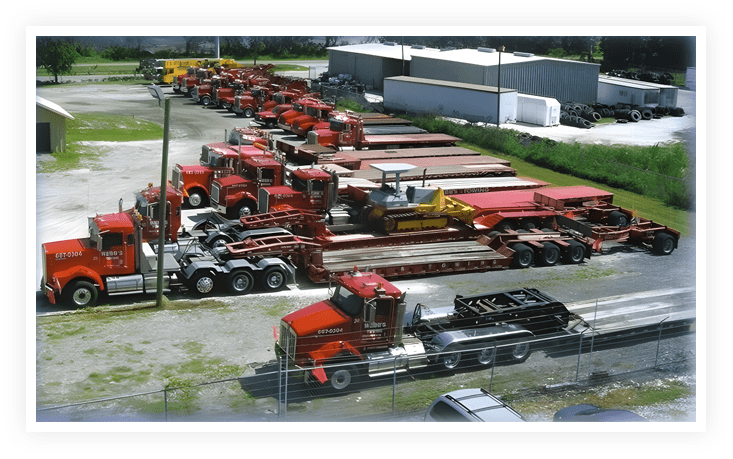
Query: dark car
pixel 471 405
pixel 592 413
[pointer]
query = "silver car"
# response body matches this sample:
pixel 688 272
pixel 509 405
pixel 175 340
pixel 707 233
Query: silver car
pixel 471 405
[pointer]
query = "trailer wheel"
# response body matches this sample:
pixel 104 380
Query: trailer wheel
pixel 450 361
pixel 550 254
pixel 273 278
pixel 617 218
pixel 248 112
pixel 520 352
pixel 203 283
pixel 82 294
pixel 575 253
pixel 487 356
pixel 663 243
pixel 523 256
pixel 240 282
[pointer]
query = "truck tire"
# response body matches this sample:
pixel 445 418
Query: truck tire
pixel 617 218
pixel 523 256
pixel 206 101
pixel 487 356
pixel 663 243
pixel 450 361
pixel 273 278
pixel 81 294
pixel 248 112
pixel 243 209
pixel 342 377
pixel 196 199
pixel 550 254
pixel 202 283
pixel 575 253
pixel 240 282
pixel 520 352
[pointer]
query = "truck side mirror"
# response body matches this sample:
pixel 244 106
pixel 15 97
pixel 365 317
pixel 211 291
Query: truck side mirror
pixel 370 312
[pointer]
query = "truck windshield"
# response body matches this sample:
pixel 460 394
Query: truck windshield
pixel 347 302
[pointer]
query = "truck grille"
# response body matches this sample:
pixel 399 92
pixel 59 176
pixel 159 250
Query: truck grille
pixel 176 179
pixel 215 193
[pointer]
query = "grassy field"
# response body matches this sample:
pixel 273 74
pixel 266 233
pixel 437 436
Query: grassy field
pixel 100 127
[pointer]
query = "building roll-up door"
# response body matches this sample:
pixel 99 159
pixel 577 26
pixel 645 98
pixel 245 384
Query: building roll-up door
pixel 43 137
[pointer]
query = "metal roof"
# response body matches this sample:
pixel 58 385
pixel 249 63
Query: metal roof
pixel 50 106
pixel 632 83
pixel 450 84
pixel 388 50
pixel 483 58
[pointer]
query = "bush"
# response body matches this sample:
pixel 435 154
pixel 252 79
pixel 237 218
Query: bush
pixel 657 171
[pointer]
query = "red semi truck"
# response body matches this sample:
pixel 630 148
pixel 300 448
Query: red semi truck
pixel 120 257
pixel 217 160
pixel 349 132
pixel 365 329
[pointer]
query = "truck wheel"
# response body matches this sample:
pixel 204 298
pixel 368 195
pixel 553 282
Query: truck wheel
pixel 273 278
pixel 82 294
pixel 240 282
pixel 523 256
pixel 341 378
pixel 617 218
pixel 450 361
pixel 244 209
pixel 203 283
pixel 663 243
pixel 487 356
pixel 205 101
pixel 575 253
pixel 520 352
pixel 550 254
pixel 248 112
pixel 196 199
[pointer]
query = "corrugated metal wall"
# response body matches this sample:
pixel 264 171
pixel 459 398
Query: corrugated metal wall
pixel 370 70
pixel 566 82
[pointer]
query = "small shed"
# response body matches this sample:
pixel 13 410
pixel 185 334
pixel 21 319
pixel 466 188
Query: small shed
pixel 470 102
pixel 50 126
pixel 615 90
pixel 543 111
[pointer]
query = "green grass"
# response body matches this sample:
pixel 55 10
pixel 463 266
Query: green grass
pixel 97 127
pixel 649 208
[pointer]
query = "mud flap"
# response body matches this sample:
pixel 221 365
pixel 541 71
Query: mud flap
pixel 320 374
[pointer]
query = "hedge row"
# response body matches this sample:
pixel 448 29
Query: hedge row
pixel 657 171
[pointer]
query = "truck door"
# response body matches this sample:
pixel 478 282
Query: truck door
pixel 376 333
pixel 113 254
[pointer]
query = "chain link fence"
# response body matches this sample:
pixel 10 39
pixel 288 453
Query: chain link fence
pixel 277 392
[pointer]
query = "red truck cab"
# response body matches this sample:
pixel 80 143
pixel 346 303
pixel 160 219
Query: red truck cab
pixel 77 269
pixel 364 314
pixel 217 161
pixel 236 195
pixel 310 189
pixel 315 116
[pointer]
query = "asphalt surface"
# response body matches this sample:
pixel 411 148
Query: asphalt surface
pixel 64 201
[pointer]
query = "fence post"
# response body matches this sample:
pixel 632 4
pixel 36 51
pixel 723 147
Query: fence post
pixel 279 385
pixel 493 365
pixel 580 353
pixel 394 381
pixel 592 340
pixel 165 403
pixel 659 340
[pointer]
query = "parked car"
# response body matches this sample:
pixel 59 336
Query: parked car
pixel 592 413
pixel 471 405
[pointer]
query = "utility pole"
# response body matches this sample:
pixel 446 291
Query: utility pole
pixel 498 88
pixel 157 93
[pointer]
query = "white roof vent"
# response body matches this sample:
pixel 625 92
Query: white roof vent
pixel 517 53
pixel 486 50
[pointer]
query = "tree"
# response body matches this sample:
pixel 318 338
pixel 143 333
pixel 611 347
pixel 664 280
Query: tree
pixel 55 56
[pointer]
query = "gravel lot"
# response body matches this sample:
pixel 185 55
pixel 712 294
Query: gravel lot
pixel 77 355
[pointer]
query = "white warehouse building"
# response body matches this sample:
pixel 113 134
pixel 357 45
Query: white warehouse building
pixel 470 102
pixel 615 90
pixel 564 80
